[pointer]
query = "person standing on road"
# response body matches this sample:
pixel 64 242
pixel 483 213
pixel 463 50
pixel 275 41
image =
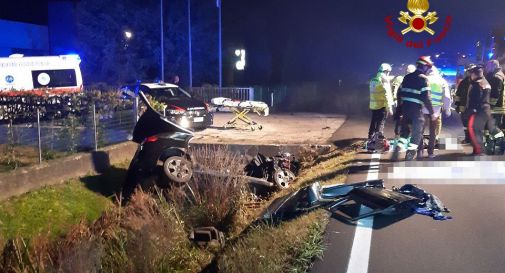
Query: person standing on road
pixel 397 82
pixel 478 111
pixel 440 100
pixel 414 93
pixel 496 78
pixel 381 101
pixel 460 99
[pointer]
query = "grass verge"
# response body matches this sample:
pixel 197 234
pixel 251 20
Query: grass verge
pixel 50 210
pixel 289 247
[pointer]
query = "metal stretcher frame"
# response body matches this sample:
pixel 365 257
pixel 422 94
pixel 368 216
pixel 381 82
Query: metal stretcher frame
pixel 241 115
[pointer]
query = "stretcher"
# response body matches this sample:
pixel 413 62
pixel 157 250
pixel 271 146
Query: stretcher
pixel 241 109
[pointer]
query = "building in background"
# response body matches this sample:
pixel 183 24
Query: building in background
pixel 23 38
pixel 56 37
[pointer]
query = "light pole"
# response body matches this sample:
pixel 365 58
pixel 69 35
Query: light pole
pixel 220 47
pixel 190 53
pixel 162 76
pixel 128 35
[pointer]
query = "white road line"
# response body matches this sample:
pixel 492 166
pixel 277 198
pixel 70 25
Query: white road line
pixel 360 252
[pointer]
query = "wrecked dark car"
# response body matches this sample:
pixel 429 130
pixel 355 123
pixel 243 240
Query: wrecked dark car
pixel 161 157
pixel 280 169
pixel 371 194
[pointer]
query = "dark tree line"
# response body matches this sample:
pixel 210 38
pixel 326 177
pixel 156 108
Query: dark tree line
pixel 109 57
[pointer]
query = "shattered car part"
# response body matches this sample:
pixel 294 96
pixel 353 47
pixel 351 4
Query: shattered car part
pixel 159 141
pixel 313 197
pixel 371 194
pixel 204 236
pixel 280 170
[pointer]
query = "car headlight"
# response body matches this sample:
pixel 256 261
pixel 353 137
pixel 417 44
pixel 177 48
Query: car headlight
pixel 185 122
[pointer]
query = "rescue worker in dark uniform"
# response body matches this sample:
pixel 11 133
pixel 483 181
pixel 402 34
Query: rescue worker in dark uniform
pixel 478 111
pixel 414 93
pixel 460 99
pixel 496 78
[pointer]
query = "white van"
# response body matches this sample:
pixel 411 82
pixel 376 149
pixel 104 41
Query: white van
pixel 40 75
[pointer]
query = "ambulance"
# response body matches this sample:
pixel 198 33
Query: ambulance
pixel 44 75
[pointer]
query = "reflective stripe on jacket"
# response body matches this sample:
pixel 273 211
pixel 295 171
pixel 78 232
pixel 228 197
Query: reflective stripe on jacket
pixel 380 93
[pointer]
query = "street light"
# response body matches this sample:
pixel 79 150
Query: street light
pixel 162 43
pixel 190 53
pixel 240 64
pixel 218 3
pixel 128 34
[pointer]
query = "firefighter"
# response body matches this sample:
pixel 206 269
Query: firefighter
pixel 396 83
pixel 381 101
pixel 414 93
pixel 478 111
pixel 496 78
pixel 440 100
pixel 460 99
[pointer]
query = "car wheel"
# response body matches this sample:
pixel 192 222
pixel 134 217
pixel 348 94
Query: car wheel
pixel 282 178
pixel 178 169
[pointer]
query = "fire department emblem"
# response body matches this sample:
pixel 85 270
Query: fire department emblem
pixel 416 21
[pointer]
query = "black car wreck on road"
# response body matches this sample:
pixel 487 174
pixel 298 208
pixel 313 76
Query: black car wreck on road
pixel 161 157
pixel 179 106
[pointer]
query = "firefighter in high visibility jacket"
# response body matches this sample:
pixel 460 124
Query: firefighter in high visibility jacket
pixel 396 83
pixel 441 102
pixel 460 98
pixel 381 100
pixel 414 94
pixel 496 78
pixel 478 111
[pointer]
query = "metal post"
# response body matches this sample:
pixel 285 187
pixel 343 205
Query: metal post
pixel 272 99
pixel 251 93
pixel 94 127
pixel 162 43
pixel 220 48
pixel 136 111
pixel 38 134
pixel 190 53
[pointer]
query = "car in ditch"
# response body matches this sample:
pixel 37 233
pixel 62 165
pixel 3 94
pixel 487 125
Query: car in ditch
pixel 162 157
pixel 177 104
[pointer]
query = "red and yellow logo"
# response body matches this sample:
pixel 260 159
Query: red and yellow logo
pixel 418 19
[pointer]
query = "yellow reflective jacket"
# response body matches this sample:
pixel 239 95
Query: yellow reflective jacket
pixel 380 92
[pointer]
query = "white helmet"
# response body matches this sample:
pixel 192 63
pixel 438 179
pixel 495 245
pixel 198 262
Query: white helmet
pixel 411 68
pixel 385 67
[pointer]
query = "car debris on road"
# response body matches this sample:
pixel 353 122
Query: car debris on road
pixel 204 236
pixel 280 169
pixel 372 194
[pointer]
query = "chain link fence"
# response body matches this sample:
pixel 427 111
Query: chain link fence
pixel 33 129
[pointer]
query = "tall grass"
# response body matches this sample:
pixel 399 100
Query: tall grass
pixel 145 236
pixel 215 199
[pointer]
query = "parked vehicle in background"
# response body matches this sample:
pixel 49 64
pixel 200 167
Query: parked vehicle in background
pixel 43 75
pixel 178 105
pixel 161 157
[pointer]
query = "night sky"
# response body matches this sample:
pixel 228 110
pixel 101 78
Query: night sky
pixel 324 40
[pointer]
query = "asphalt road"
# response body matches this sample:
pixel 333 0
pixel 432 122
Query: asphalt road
pixel 472 242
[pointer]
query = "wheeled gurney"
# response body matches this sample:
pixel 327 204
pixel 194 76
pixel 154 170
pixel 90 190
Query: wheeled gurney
pixel 241 109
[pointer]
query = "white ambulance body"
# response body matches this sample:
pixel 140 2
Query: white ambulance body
pixel 40 75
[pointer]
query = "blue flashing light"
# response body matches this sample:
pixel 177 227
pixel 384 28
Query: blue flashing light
pixel 449 72
pixel 490 55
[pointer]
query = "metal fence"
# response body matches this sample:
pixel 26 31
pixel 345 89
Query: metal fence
pixel 238 93
pixel 49 133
